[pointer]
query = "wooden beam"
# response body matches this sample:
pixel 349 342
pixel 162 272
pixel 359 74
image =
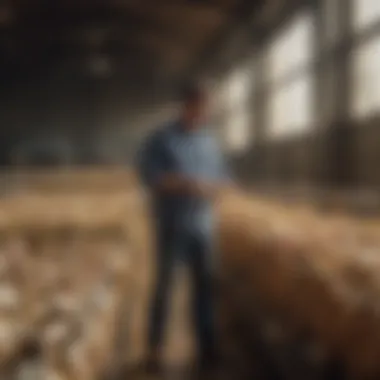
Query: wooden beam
pixel 71 26
pixel 240 17
pixel 194 8
pixel 168 31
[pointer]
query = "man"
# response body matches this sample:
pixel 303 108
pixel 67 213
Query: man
pixel 184 170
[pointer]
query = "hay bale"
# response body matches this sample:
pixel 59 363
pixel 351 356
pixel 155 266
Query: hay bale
pixel 317 273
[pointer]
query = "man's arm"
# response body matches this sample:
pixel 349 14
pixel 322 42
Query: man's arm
pixel 157 171
pixel 176 184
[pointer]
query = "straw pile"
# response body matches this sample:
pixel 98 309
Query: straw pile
pixel 74 181
pixel 316 276
pixel 67 280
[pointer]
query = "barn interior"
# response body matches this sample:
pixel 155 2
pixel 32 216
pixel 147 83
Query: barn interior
pixel 295 99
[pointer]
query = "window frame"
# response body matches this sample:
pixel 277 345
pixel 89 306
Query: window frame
pixel 359 111
pixel 238 107
pixel 277 132
pixel 360 37
pixel 296 68
pixel 304 70
pixel 369 26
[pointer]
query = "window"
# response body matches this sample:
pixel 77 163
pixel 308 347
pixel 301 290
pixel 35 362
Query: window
pixel 366 13
pixel 216 104
pixel 291 88
pixel 238 111
pixel 366 60
pixel 293 48
pixel 238 131
pixel 290 109
pixel 238 91
pixel 239 87
pixel 366 57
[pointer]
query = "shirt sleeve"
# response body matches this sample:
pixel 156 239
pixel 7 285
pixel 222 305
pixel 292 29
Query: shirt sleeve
pixel 152 160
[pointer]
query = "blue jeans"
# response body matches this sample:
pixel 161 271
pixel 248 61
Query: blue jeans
pixel 197 254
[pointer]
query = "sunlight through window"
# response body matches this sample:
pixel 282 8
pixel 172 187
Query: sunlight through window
pixel 366 100
pixel 366 13
pixel 239 121
pixel 290 108
pixel 293 48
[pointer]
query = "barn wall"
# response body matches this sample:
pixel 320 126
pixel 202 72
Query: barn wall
pixel 308 160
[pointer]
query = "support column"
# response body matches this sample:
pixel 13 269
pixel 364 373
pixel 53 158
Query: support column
pixel 342 144
pixel 260 123
pixel 334 91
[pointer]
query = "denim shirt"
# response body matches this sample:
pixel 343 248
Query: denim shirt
pixel 193 154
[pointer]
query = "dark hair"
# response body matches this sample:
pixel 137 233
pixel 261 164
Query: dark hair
pixel 192 93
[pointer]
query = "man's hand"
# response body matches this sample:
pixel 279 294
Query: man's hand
pixel 203 189
pixel 176 184
pixel 172 183
pixel 213 190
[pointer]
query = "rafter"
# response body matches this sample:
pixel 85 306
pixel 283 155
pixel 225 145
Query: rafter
pixel 189 7
pixel 151 35
pixel 75 23
pixel 241 17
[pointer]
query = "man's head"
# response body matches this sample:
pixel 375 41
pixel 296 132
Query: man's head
pixel 194 100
